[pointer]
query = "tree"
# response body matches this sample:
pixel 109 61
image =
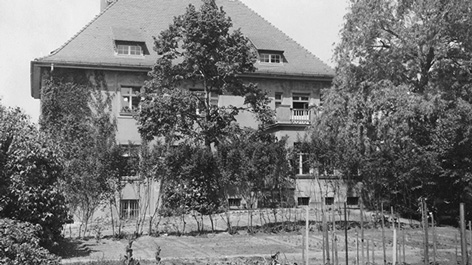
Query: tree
pixel 30 170
pixel 255 165
pixel 19 244
pixel 199 50
pixel 398 114
pixel 76 114
pixel 192 183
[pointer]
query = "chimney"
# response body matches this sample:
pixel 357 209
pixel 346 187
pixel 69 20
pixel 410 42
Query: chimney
pixel 105 3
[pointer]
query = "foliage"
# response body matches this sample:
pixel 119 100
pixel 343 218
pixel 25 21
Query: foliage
pixel 199 51
pixel 192 181
pixel 77 116
pixel 398 116
pixel 29 172
pixel 19 244
pixel 257 165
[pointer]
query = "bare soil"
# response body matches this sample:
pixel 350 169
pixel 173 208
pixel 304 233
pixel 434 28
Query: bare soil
pixel 257 248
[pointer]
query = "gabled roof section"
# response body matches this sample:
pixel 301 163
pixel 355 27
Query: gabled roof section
pixel 140 20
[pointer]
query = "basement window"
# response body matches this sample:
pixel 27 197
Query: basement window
pixel 352 201
pixel 129 209
pixel 234 202
pixel 329 200
pixel 303 201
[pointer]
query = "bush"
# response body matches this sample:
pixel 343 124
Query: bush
pixel 19 244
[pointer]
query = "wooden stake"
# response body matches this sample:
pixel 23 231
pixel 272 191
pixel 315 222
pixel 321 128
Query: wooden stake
pixel 373 252
pixel 306 235
pixel 383 234
pixel 345 234
pixel 470 236
pixel 394 244
pixel 362 235
pixel 457 243
pixel 357 247
pixel 335 243
pixel 433 227
pixel 332 240
pixel 424 209
pixel 403 235
pixel 327 242
pixel 463 235
pixel 323 234
pixel 367 252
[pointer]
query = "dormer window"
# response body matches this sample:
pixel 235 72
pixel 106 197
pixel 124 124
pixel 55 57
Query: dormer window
pixel 128 48
pixel 129 42
pixel 275 57
pixel 270 58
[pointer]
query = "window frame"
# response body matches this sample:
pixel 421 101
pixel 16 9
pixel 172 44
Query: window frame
pixel 303 201
pixel 129 208
pixel 130 109
pixel 130 48
pixel 329 200
pixel 234 202
pixel 278 99
pixel 300 98
pixel 270 57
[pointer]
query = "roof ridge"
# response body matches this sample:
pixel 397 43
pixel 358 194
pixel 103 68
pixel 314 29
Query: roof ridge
pixel 286 35
pixel 78 33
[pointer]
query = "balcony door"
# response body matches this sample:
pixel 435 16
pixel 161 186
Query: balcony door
pixel 300 112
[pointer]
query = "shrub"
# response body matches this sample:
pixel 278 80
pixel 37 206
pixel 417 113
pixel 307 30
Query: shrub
pixel 19 244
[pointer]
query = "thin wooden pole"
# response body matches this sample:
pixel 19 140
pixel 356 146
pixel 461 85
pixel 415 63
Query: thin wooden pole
pixel 404 258
pixel 332 239
pixel 470 236
pixel 433 227
pixel 307 235
pixel 357 247
pixel 362 234
pixel 394 244
pixel 463 235
pixel 425 228
pixel 367 252
pixel 383 234
pixel 373 252
pixel 345 234
pixel 335 243
pixel 457 243
pixel 323 237
pixel 327 242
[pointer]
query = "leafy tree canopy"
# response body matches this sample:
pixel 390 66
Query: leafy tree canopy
pixel 399 113
pixel 199 50
pixel 30 170
pixel 76 114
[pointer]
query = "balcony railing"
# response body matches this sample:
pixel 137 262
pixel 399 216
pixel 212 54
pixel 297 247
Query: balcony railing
pixel 300 116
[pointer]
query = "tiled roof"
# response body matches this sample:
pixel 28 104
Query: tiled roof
pixel 93 45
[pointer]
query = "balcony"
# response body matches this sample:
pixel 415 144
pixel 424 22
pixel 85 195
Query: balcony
pixel 288 115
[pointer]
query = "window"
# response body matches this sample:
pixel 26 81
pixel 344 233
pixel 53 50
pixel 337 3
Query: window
pixel 234 202
pixel 128 167
pixel 129 48
pixel 352 201
pixel 303 201
pixel 129 100
pixel 329 200
pixel 302 163
pixel 278 99
pixel 129 209
pixel 200 97
pixel 300 101
pixel 270 58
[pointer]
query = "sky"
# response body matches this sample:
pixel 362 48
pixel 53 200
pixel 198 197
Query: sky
pixel 31 29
